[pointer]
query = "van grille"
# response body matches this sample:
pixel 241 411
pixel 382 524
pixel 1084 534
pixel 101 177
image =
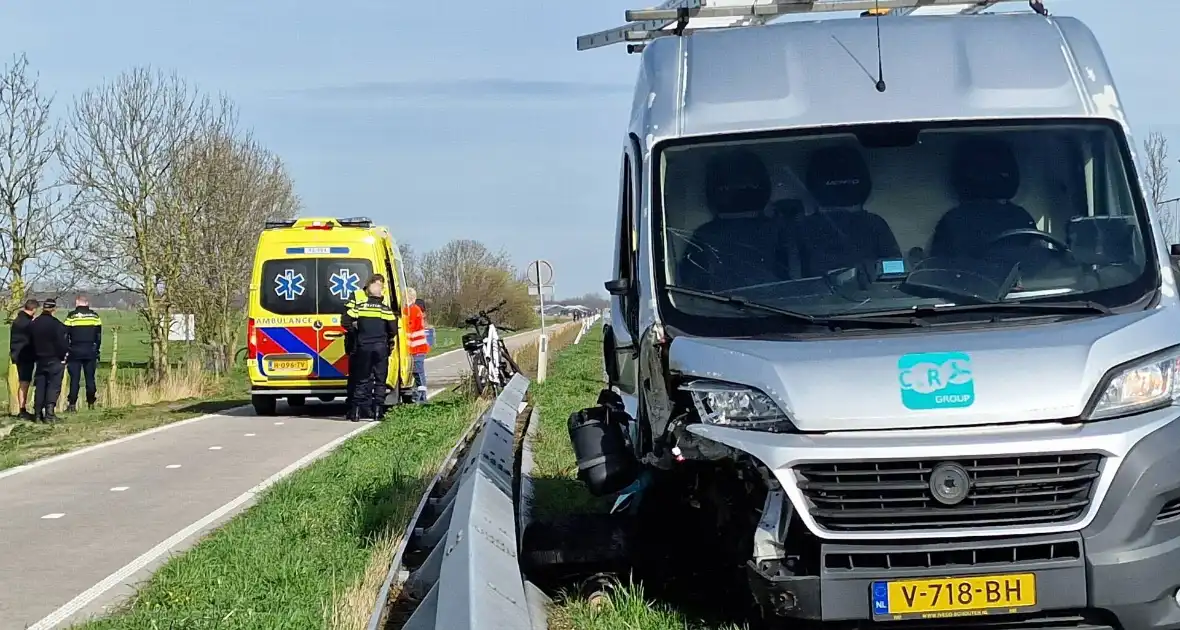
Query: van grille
pixel 895 496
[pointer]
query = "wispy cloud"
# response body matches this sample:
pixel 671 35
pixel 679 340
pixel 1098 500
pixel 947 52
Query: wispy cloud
pixel 463 89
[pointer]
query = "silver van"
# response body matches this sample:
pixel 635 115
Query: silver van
pixel 914 343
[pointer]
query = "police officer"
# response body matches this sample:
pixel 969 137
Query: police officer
pixel 358 297
pixel 374 326
pixel 84 334
pixel 50 348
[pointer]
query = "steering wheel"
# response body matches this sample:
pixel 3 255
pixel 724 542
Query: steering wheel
pixel 1058 244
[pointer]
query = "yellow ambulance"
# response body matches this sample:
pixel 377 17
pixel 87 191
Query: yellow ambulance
pixel 305 272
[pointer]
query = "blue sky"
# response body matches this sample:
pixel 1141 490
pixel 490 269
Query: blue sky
pixel 459 118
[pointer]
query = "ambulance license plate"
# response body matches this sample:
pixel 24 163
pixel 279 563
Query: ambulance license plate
pixel 953 597
pixel 288 366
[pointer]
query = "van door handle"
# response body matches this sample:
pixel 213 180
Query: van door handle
pixel 333 334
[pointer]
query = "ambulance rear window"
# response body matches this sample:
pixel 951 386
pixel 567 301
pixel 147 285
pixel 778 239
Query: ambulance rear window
pixel 311 286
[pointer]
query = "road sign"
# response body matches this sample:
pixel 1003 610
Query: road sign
pixel 545 291
pixel 540 272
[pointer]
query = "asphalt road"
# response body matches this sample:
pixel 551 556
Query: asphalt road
pixel 79 531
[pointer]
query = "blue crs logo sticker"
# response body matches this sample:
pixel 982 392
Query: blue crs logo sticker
pixel 936 380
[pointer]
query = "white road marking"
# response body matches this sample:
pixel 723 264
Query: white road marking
pixel 215 448
pixel 172 466
pixel 118 488
pixel 249 435
pixel 278 423
pixel 119 577
pixel 16 470
pixel 54 515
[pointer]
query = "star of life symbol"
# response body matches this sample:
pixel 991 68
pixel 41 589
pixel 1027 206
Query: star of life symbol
pixel 344 284
pixel 289 285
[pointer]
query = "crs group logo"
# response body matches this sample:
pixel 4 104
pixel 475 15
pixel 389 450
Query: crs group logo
pixel 936 380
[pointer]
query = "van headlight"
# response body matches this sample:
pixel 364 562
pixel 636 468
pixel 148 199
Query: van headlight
pixel 1141 386
pixel 736 406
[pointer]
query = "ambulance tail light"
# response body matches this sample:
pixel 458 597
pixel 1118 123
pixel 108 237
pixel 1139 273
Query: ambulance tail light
pixel 251 340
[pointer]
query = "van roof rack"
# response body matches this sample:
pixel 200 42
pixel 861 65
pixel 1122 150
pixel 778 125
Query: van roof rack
pixel 675 17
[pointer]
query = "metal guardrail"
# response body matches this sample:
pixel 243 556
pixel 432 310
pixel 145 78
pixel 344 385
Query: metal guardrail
pixel 458 559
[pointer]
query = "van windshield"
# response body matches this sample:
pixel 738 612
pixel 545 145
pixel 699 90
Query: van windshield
pixel 311 286
pixel 901 216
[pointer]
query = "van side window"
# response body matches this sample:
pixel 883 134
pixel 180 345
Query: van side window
pixel 627 242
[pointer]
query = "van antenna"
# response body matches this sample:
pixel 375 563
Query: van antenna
pixel 880 62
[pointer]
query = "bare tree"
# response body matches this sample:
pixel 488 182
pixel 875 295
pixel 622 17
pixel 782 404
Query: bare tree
pixel 225 187
pixel 123 139
pixel 36 220
pixel 464 276
pixel 1155 150
pixel 411 264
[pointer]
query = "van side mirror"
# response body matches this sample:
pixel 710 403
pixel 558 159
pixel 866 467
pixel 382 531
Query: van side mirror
pixel 618 287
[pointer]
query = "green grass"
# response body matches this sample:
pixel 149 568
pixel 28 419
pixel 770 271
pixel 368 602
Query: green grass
pixel 624 608
pixel 577 379
pixel 446 339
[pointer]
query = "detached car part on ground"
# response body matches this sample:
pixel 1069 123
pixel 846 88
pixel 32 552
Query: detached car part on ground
pixel 882 409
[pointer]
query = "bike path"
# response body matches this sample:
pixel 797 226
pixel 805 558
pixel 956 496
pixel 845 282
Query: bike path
pixel 78 531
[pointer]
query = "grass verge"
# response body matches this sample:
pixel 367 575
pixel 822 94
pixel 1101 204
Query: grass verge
pixel 625 608
pixel 578 378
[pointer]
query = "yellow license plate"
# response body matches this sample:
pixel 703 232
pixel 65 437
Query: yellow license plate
pixel 288 365
pixel 953 596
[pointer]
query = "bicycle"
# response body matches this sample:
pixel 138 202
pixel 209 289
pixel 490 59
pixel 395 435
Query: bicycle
pixel 487 355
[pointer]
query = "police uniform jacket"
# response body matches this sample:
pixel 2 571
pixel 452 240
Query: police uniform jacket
pixel 373 324
pixel 48 336
pixel 84 332
pixel 20 347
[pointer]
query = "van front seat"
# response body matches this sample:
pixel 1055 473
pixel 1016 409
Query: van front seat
pixel 841 233
pixel 986 176
pixel 742 244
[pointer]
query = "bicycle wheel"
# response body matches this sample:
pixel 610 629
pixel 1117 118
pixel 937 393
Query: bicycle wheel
pixel 507 358
pixel 479 379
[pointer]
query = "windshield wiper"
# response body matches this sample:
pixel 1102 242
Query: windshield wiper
pixel 1043 308
pixel 830 322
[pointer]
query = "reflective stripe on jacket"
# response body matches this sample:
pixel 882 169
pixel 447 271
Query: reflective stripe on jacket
pixel 84 333
pixel 416 330
pixel 373 323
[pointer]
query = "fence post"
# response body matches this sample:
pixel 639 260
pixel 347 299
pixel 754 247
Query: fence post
pixel 114 366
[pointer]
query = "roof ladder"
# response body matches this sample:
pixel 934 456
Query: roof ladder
pixel 676 17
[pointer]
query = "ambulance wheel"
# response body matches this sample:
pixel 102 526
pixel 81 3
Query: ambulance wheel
pixel 327 399
pixel 264 405
pixel 297 401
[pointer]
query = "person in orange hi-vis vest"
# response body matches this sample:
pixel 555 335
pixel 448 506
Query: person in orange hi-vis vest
pixel 419 346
